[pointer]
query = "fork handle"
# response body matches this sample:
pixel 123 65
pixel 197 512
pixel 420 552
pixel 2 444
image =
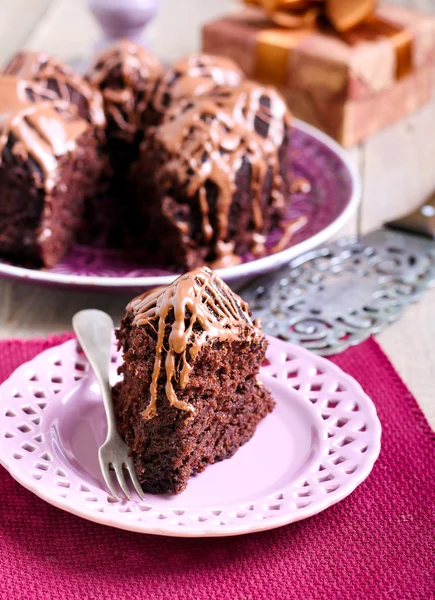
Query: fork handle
pixel 94 330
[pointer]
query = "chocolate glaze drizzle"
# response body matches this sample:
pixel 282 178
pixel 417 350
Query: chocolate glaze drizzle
pixel 195 75
pixel 16 92
pixel 61 80
pixel 126 75
pixel 207 141
pixel 43 131
pixel 196 308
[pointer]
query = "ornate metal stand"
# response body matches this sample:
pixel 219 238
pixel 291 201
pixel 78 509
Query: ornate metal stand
pixel 336 296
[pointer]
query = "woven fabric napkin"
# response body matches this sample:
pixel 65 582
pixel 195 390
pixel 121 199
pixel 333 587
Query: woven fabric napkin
pixel 377 543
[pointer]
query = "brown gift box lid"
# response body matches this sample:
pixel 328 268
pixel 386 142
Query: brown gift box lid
pixel 348 87
pixel 321 61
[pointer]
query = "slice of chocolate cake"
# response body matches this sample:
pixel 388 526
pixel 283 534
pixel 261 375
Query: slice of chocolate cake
pixel 190 394
pixel 60 79
pixel 63 83
pixel 214 177
pixel 126 75
pixel 49 162
pixel 194 75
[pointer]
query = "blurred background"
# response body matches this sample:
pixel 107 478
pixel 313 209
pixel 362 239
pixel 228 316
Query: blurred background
pixel 67 28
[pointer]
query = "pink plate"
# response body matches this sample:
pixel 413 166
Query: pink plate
pixel 332 199
pixel 317 446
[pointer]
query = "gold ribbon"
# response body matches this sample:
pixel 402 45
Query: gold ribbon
pixel 293 14
pixel 353 21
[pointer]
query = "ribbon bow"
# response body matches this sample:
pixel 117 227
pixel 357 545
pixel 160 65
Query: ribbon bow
pixel 294 14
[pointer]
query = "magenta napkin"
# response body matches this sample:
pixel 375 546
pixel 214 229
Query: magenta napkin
pixel 377 543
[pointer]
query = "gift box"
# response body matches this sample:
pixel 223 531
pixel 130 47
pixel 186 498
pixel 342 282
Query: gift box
pixel 348 83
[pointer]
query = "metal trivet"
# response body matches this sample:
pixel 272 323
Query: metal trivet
pixel 336 296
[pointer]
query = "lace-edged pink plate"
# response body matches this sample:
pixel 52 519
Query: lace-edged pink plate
pixel 317 446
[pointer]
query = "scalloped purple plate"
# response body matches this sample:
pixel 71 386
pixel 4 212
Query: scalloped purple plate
pixel 334 196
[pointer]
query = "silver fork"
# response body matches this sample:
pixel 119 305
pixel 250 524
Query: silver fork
pixel 94 330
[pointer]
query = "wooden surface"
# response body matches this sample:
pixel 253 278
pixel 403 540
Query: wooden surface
pixel 397 165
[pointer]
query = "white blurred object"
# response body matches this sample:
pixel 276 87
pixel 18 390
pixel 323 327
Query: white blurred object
pixel 123 18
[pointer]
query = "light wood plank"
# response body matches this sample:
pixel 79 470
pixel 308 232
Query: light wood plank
pixel 398 161
pixel 399 169
pixel 424 5
pixel 176 31
pixel 410 344
pixel 68 30
pixel 28 311
pixel 17 20
pixel 352 228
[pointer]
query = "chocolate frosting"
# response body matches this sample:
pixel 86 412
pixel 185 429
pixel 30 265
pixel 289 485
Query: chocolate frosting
pixel 16 92
pixel 126 75
pixel 63 81
pixel 207 141
pixel 196 308
pixel 43 131
pixel 195 75
pixel 261 107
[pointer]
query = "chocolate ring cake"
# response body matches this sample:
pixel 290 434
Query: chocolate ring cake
pixel 195 75
pixel 49 162
pixel 193 161
pixel 62 80
pixel 214 177
pixel 190 394
pixel 126 75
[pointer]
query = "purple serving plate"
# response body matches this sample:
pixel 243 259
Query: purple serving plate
pixel 334 196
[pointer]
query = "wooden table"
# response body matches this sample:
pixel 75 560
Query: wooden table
pixel 397 165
